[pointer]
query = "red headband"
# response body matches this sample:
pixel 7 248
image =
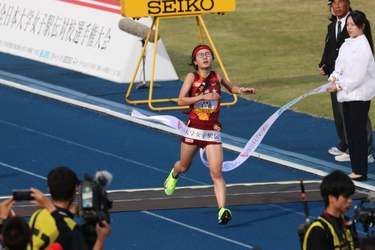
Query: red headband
pixel 200 48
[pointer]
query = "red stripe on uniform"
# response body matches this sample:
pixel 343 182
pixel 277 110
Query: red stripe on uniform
pixel 94 6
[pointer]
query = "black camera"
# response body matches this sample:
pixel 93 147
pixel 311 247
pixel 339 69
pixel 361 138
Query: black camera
pixel 365 214
pixel 22 195
pixel 93 204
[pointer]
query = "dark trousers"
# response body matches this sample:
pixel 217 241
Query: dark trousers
pixel 338 116
pixel 355 119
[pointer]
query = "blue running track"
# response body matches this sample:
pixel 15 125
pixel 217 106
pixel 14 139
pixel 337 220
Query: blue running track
pixel 84 124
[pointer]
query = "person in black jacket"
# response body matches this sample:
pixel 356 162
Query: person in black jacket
pixel 335 37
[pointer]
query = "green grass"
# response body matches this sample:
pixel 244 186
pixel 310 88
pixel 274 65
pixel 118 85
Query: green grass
pixel 274 46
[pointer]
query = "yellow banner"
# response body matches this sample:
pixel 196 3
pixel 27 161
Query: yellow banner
pixel 143 8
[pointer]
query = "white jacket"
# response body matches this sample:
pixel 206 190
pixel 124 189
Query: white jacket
pixel 355 70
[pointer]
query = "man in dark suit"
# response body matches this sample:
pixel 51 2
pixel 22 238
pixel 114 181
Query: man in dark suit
pixel 336 36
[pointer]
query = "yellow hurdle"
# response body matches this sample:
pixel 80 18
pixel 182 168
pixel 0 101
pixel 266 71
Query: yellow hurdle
pixel 177 9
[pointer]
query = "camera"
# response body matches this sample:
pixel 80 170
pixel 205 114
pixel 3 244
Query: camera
pixel 22 195
pixel 93 204
pixel 365 213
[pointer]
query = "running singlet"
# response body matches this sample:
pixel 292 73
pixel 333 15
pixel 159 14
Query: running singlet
pixel 205 110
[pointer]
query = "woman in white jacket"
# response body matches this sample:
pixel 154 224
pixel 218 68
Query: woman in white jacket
pixel 354 81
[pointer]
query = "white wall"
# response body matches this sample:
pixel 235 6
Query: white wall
pixel 80 35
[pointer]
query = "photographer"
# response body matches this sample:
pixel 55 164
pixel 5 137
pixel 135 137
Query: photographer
pixel 17 233
pixel 62 185
pixel 64 240
pixel 333 230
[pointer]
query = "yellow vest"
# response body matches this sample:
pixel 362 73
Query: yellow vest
pixel 44 230
pixel 336 241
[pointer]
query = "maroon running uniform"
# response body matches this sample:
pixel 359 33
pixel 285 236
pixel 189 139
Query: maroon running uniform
pixel 204 114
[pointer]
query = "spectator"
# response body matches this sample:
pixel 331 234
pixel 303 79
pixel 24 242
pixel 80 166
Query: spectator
pixel 354 82
pixel 335 37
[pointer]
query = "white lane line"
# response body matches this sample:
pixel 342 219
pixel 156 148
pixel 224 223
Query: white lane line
pixel 22 170
pixel 96 150
pixel 198 229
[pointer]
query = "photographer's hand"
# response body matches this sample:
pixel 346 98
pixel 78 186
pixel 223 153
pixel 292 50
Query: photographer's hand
pixel 102 234
pixel 74 209
pixel 5 208
pixel 42 200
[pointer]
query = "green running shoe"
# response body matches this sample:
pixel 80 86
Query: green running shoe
pixel 225 215
pixel 170 184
